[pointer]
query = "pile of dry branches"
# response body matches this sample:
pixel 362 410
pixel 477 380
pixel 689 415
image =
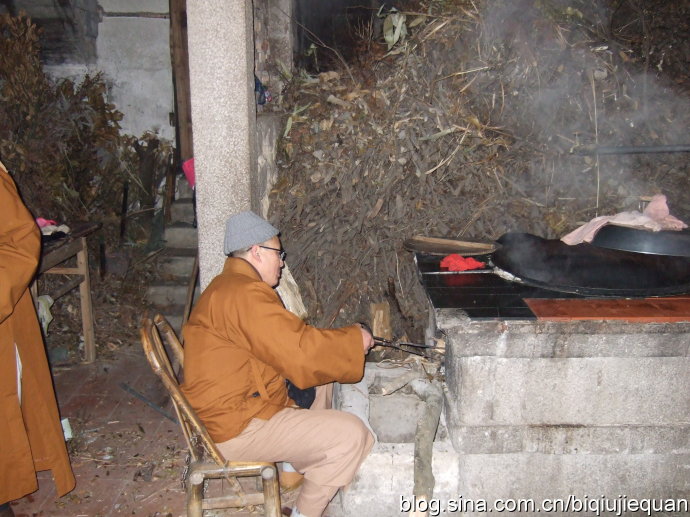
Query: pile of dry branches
pixel 466 131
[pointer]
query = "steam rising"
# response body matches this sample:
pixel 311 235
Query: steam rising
pixel 571 83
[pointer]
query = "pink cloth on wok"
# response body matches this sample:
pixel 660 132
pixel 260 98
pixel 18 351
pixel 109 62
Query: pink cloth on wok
pixel 655 217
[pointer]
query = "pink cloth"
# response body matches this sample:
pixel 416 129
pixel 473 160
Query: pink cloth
pixel 188 169
pixel 44 222
pixel 655 217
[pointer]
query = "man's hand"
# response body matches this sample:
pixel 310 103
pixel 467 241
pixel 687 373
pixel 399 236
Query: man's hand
pixel 367 338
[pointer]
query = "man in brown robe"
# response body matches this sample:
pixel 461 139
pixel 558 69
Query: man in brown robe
pixel 31 438
pixel 241 345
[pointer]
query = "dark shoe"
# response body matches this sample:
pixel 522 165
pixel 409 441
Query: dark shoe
pixel 283 511
pixel 6 510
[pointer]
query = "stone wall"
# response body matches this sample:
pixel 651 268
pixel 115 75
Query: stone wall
pixel 134 54
pixel 273 42
pixel 69 29
pixel 544 410
pixel 129 42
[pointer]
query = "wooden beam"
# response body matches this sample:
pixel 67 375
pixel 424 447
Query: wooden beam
pixel 180 64
pixel 381 320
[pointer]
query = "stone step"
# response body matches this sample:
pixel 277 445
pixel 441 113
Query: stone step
pixel 176 267
pixel 183 188
pixel 182 211
pixel 176 321
pixel 169 251
pixel 173 314
pixel 385 480
pixel 165 294
pixel 180 235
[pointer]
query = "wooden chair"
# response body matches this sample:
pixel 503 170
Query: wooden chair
pixel 205 460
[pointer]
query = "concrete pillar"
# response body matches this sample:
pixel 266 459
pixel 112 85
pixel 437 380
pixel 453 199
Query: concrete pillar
pixel 221 64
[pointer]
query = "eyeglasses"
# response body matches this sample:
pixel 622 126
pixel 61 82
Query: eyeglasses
pixel 282 253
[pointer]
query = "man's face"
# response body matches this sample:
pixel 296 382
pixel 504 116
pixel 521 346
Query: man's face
pixel 270 264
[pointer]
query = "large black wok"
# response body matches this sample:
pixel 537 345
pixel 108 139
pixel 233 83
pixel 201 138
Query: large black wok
pixel 665 242
pixel 590 270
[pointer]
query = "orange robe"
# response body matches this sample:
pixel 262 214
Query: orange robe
pixel 241 344
pixel 31 437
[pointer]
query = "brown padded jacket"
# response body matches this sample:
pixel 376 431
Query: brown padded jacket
pixel 241 344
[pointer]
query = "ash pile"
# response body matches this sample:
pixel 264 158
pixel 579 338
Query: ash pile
pixel 467 120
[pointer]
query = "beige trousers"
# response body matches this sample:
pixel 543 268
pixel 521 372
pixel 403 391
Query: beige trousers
pixel 326 445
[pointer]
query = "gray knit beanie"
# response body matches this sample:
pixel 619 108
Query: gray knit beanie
pixel 246 229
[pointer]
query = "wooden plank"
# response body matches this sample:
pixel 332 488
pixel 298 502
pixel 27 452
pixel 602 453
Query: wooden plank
pixel 86 306
pixel 58 255
pixel 180 60
pixel 67 287
pixel 440 246
pixel 62 271
pixel 59 251
pixel 638 310
pixel 191 287
pixel 232 501
pixel 381 320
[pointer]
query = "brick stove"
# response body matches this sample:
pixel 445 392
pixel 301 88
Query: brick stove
pixel 551 394
pixel 547 395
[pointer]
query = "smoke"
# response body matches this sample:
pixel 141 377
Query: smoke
pixel 567 82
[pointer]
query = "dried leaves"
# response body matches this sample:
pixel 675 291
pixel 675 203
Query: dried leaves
pixel 60 140
pixel 466 132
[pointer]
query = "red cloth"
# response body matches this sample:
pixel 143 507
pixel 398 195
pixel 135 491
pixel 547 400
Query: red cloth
pixel 188 169
pixel 456 262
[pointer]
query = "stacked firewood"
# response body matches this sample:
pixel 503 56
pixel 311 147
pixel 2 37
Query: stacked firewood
pixel 481 120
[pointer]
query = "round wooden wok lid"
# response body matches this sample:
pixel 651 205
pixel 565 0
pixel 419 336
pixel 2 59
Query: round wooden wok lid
pixel 441 246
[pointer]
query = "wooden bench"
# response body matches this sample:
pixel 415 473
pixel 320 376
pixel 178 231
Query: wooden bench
pixel 53 256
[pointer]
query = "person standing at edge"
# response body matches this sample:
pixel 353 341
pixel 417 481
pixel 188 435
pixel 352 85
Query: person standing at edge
pixel 241 345
pixel 32 438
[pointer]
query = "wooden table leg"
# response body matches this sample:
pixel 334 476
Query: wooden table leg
pixel 86 307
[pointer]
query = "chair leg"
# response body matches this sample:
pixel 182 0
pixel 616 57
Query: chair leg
pixel 195 496
pixel 269 476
